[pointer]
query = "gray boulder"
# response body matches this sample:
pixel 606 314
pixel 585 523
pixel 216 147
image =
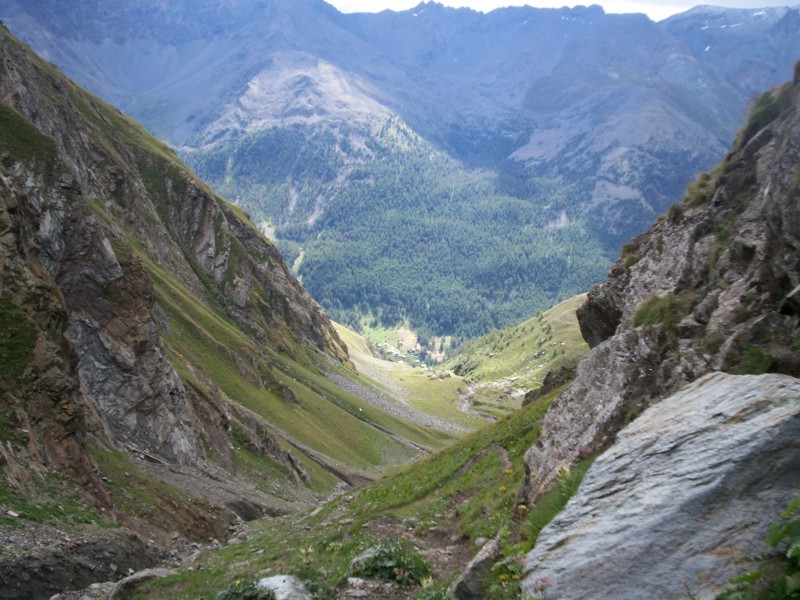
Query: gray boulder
pixel 686 492
pixel 469 586
pixel 285 587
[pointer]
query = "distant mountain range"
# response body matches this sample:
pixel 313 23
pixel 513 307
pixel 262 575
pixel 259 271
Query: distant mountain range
pixel 456 169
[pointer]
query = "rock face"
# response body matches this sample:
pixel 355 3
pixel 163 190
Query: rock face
pixel 710 287
pixel 680 497
pixel 469 585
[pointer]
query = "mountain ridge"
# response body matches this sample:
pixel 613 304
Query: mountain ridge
pixel 602 146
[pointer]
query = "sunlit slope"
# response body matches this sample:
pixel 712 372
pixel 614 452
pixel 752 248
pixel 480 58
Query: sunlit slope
pixel 435 393
pixel 502 366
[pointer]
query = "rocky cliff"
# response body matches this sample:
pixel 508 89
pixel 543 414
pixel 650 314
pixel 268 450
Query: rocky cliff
pixel 88 204
pixel 712 286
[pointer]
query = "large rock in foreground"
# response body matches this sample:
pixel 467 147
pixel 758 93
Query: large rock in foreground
pixel 685 493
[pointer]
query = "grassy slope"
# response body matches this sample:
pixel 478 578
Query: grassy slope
pixel 502 365
pixel 325 417
pixel 471 486
pixel 490 375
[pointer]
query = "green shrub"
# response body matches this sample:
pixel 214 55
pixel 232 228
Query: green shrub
pixel 667 310
pixel 394 560
pixel 754 362
pixel 701 190
pixel 240 590
pixel 712 343
pixel 778 577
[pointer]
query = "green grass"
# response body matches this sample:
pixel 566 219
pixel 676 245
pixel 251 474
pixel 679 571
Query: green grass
pixel 17 340
pixel 133 490
pixel 54 501
pixel 437 397
pixel 24 142
pixel 509 352
pixel 364 411
pixel 754 361
pixel 433 395
pixel 441 482
pixel 661 310
pixel 765 110
pixel 503 580
pixel 702 189
pixel 549 504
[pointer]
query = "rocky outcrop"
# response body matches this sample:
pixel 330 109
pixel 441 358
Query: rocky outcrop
pixel 73 564
pixel 675 505
pixel 710 287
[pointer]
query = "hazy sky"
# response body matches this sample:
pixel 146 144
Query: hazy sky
pixel 656 9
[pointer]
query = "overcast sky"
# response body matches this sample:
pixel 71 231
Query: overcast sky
pixel 656 9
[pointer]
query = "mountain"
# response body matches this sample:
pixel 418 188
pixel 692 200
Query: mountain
pixel 453 169
pixel 162 369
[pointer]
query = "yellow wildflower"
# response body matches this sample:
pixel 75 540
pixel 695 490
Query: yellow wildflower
pixel 502 488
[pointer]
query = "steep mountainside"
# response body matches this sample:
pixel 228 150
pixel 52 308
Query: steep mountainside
pixel 148 329
pixel 712 286
pixel 384 148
